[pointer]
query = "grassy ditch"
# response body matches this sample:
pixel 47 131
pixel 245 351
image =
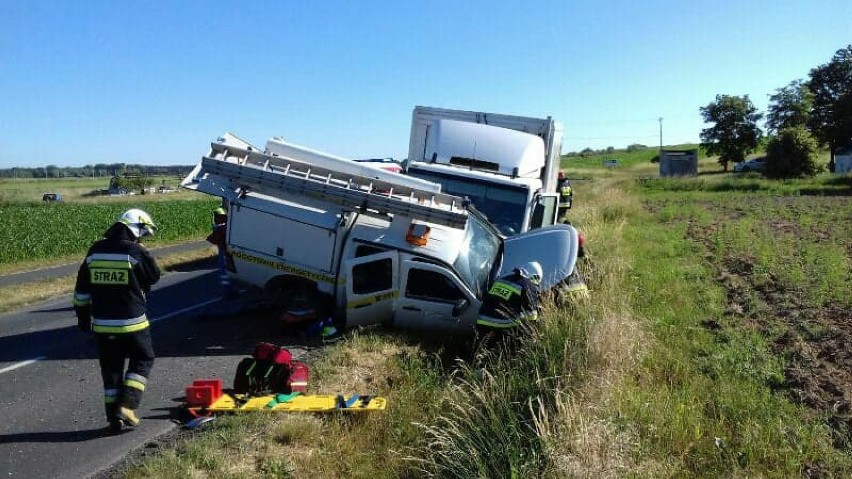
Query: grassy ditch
pixel 714 343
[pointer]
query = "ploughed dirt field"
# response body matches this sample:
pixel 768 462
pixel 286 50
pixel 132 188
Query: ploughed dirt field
pixel 813 336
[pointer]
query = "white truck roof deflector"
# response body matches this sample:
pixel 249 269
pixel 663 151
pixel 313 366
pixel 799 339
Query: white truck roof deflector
pixel 514 153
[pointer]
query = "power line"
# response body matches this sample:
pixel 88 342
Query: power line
pixel 639 137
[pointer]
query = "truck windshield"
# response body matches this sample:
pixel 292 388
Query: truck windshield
pixel 477 255
pixel 503 205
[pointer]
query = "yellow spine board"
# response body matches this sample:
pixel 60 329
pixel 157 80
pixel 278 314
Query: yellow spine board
pixel 298 403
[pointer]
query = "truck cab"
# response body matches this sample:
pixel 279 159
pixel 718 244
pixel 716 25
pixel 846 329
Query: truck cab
pixel 512 205
pixel 506 165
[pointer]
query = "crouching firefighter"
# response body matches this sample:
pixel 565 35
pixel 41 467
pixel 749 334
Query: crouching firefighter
pixel 110 300
pixel 511 300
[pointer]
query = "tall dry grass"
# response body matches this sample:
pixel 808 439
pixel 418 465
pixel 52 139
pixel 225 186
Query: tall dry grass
pixel 539 406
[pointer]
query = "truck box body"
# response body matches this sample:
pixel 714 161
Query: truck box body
pixel 373 248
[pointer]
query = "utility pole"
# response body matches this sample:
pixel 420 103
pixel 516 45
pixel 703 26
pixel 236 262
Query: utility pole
pixel 661 134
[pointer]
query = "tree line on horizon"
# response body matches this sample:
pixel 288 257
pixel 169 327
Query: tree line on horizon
pixel 801 118
pixel 586 152
pixel 100 170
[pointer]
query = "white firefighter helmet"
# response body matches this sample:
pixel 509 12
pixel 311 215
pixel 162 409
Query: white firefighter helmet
pixel 138 222
pixel 532 270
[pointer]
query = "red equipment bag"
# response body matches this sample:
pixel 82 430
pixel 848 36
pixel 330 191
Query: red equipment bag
pixel 268 371
pixel 272 354
pixel 298 380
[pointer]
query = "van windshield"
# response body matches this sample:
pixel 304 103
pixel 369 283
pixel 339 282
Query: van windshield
pixel 478 253
pixel 503 205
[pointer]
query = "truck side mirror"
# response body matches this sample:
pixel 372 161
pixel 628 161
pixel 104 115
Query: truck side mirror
pixel 460 307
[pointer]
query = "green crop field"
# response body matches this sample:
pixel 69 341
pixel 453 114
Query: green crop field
pixel 34 231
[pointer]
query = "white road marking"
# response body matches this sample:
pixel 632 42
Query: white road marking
pixel 21 364
pixel 153 320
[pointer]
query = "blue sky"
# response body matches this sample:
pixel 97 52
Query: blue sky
pixel 153 82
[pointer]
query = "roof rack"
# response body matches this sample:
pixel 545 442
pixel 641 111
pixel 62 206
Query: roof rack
pixel 244 167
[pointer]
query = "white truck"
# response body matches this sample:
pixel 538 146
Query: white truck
pixel 372 246
pixel 506 165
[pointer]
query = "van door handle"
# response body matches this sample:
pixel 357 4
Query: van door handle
pixel 411 308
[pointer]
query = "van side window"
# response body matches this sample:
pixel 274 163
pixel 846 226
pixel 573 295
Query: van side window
pixel 431 286
pixel 367 250
pixel 372 276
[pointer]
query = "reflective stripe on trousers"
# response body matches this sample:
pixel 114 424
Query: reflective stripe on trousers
pixel 119 326
pixel 496 322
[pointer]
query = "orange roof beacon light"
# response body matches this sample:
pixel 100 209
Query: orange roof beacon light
pixel 418 235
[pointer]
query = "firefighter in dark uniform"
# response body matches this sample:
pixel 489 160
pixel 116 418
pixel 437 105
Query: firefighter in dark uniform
pixel 566 194
pixel 110 300
pixel 512 299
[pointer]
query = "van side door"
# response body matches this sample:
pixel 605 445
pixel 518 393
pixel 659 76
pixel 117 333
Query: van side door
pixel 434 299
pixel 372 285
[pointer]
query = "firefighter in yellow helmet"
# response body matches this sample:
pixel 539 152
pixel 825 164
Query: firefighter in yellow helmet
pixel 110 299
pixel 566 195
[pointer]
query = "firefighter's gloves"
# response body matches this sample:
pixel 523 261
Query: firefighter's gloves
pixel 84 324
pixel 84 319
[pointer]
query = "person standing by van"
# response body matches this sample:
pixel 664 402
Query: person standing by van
pixel 218 237
pixel 110 300
pixel 566 195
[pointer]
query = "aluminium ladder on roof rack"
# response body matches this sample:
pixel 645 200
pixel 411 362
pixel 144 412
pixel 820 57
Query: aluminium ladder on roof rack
pixel 249 169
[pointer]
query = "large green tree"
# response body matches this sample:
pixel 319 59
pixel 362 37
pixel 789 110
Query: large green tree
pixel 791 153
pixel 735 133
pixel 789 107
pixel 831 118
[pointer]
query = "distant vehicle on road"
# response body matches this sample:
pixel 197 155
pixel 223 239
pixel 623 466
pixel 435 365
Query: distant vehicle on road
pixel 51 197
pixel 754 164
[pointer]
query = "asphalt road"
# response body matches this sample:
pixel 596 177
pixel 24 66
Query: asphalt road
pixel 52 422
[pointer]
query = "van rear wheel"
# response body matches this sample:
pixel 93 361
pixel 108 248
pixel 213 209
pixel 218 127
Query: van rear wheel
pixel 295 303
